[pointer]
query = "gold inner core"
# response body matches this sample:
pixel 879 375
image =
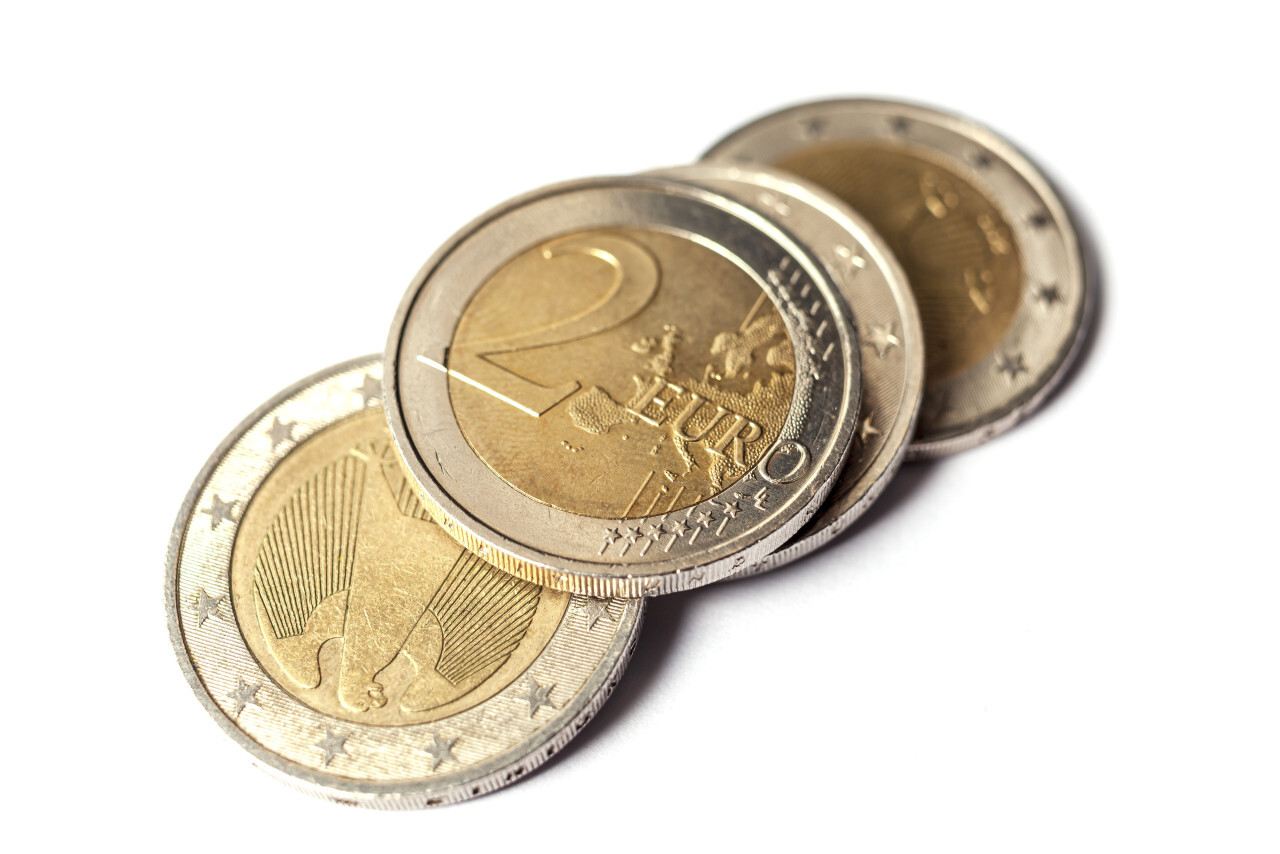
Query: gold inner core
pixel 359 606
pixel 956 247
pixel 621 373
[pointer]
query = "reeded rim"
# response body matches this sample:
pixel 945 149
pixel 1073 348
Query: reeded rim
pixel 740 144
pixel 478 779
pixel 564 560
pixel 857 233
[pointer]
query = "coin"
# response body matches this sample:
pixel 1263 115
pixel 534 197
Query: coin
pixel 623 386
pixel 876 288
pixel 355 650
pixel 988 247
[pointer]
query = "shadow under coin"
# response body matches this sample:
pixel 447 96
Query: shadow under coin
pixel 906 484
pixel 659 636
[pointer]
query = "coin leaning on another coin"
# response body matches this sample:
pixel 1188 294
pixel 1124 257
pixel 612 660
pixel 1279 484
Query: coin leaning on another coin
pixel 623 386
pixel 889 330
pixel 990 250
pixel 457 680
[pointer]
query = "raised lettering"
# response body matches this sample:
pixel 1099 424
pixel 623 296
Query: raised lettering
pixel 694 404
pixel 789 448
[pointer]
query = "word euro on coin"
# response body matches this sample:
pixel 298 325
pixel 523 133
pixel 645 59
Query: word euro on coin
pixel 989 249
pixel 456 678
pixel 860 262
pixel 623 386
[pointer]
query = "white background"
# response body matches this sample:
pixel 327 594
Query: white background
pixel 1065 640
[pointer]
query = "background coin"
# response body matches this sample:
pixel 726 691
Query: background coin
pixel 990 250
pixel 888 325
pixel 352 647
pixel 623 386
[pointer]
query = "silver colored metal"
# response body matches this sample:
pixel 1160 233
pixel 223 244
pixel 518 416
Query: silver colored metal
pixel 720 534
pixel 1056 292
pixel 885 312
pixel 466 748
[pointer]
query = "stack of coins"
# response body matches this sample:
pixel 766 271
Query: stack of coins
pixel 410 579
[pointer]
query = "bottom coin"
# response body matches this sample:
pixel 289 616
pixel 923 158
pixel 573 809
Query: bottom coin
pixel 346 641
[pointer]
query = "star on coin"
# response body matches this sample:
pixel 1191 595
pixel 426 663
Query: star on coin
pixel 220 511
pixel 370 389
pixel 537 696
pixel 867 430
pixel 206 605
pixel 936 405
pixel 775 204
pixel 1049 295
pixel 982 160
pixel 899 124
pixel 611 537
pixel 1011 365
pixel 440 750
pixel 883 339
pixel 281 431
pixel 595 610
pixel 244 695
pixel 813 128
pixel 731 508
pixel 631 535
pixel 678 527
pixel 853 259
pixel 1038 220
pixel 704 519
pixel 332 745
pixel 653 532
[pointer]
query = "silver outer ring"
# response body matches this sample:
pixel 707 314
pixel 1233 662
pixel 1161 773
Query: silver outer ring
pixel 827 225
pixel 792 129
pixel 485 777
pixel 562 550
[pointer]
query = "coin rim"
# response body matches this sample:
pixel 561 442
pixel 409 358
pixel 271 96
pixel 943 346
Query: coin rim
pixel 562 573
pixel 884 466
pixel 1023 405
pixel 491 774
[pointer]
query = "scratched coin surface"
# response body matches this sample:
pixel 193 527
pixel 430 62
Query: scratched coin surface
pixel 989 249
pixel 623 386
pixel 888 324
pixel 349 644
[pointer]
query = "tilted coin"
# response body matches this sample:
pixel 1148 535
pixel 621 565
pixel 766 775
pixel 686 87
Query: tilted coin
pixel 989 249
pixel 623 386
pixel 345 641
pixel 871 280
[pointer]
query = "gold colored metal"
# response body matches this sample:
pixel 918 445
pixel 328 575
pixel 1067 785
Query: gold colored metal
pixel 1004 291
pixel 875 286
pixel 677 368
pixel 346 642
pixel 955 245
pixel 336 547
pixel 622 386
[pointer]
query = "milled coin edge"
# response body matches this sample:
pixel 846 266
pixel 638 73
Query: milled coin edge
pixel 548 741
pixel 459 524
pixel 864 233
pixel 1027 404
